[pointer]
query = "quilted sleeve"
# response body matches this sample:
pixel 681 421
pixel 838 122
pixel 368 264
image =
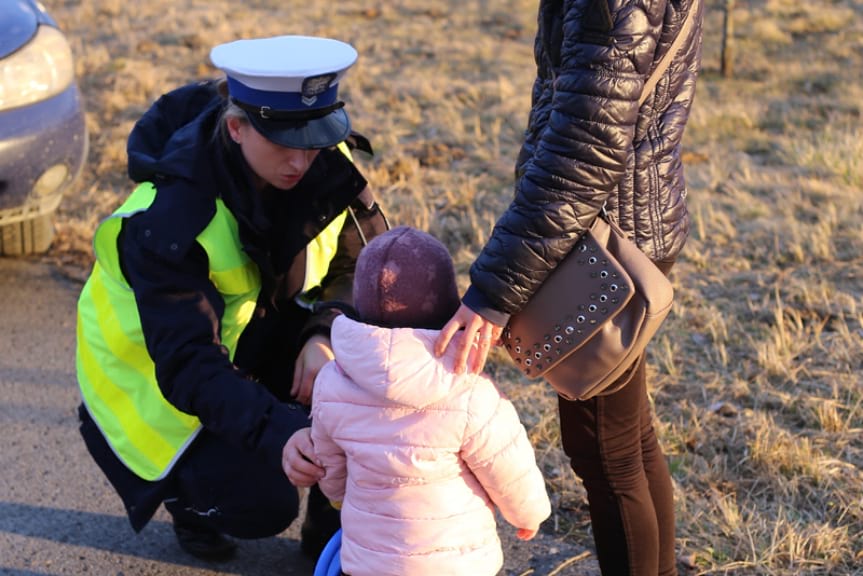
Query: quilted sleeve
pixel 327 450
pixel 580 133
pixel 499 453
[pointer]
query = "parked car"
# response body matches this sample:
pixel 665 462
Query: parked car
pixel 43 135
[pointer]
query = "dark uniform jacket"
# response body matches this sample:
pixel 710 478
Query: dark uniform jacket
pixel 175 145
pixel 589 144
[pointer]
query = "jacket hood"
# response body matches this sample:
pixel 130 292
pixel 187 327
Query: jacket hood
pixel 395 363
pixel 167 140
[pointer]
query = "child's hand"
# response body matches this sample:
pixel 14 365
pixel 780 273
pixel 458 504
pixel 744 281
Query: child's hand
pixel 526 533
pixel 298 459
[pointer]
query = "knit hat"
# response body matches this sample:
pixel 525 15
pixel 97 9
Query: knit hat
pixel 405 278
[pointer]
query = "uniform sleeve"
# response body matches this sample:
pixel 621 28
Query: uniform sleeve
pixel 330 454
pixel 499 453
pixel 180 312
pixel 583 116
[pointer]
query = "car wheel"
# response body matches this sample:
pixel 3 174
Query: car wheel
pixel 32 236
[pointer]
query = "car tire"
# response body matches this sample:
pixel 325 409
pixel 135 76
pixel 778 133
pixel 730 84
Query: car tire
pixel 32 236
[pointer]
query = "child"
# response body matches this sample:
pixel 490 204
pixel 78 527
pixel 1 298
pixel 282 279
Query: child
pixel 417 455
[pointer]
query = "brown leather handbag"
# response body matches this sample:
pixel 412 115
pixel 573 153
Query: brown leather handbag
pixel 590 321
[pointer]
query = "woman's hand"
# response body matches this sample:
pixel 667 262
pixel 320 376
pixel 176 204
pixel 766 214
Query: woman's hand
pixel 526 533
pixel 478 338
pixel 316 352
pixel 299 462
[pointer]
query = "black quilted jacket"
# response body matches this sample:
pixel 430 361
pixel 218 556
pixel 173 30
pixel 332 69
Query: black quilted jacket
pixel 588 143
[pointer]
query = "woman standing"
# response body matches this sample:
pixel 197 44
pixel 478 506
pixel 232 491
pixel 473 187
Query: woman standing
pixel 590 144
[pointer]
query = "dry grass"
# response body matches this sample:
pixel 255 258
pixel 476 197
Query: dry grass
pixel 757 373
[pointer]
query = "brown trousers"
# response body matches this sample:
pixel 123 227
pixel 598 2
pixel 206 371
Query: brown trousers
pixel 612 447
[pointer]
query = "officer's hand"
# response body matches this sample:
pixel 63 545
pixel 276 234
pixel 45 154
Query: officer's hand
pixel 316 352
pixel 299 462
pixel 477 339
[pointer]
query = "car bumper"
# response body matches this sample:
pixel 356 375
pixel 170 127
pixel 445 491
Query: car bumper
pixel 42 150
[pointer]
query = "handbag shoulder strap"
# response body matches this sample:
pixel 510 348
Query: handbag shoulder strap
pixel 672 50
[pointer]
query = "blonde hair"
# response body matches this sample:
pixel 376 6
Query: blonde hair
pixel 230 110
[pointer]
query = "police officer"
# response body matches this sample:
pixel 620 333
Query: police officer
pixel 197 344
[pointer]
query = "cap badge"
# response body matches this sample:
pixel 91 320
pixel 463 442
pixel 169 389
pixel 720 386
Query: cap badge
pixel 314 86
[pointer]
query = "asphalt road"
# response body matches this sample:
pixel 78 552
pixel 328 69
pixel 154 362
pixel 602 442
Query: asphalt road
pixel 58 514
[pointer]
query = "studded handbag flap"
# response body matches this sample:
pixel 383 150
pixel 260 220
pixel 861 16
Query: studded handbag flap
pixel 589 322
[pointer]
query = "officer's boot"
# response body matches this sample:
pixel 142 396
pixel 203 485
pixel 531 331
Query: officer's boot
pixel 197 537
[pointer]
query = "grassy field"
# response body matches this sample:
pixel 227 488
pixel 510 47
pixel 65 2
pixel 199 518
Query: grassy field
pixel 757 372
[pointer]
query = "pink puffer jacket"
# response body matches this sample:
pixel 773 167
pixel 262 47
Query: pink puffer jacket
pixel 419 456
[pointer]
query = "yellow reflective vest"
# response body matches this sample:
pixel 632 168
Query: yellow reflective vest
pixel 116 375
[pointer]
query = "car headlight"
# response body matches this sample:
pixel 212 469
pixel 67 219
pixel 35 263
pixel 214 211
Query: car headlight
pixel 41 69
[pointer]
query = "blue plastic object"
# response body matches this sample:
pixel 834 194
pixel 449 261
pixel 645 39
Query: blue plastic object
pixel 329 563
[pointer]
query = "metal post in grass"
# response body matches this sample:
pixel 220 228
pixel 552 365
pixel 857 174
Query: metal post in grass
pixel 728 40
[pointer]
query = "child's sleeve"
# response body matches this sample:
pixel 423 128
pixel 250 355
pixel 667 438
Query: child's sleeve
pixel 500 455
pixel 330 454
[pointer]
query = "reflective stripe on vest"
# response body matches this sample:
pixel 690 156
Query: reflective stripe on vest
pixel 116 375
pixel 322 249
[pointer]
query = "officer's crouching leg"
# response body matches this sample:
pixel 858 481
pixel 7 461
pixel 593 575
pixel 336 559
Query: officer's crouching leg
pixel 264 509
pixel 232 491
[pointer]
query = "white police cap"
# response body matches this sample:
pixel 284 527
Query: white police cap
pixel 288 86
